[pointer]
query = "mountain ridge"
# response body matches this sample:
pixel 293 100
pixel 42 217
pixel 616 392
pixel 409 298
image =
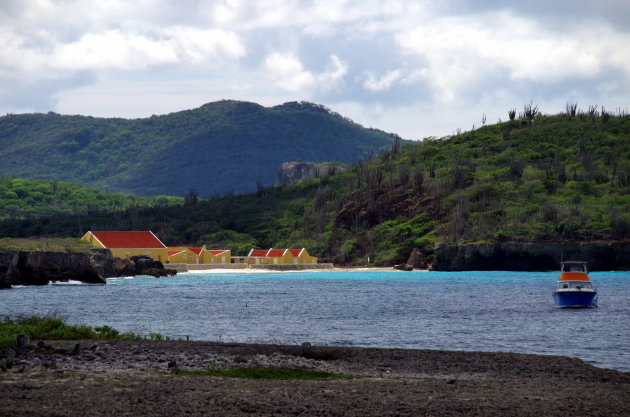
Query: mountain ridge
pixel 219 147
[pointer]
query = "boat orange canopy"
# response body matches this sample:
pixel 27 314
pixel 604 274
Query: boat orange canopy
pixel 573 271
pixel 574 276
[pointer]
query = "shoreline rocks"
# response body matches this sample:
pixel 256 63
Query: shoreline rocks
pixel 140 265
pixel 43 267
pixel 539 256
pixel 149 379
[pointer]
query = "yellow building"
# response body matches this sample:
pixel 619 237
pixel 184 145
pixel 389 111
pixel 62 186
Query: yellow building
pixel 183 255
pixel 280 257
pixel 125 244
pixel 221 256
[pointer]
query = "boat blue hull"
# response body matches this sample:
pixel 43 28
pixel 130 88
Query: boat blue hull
pixel 575 299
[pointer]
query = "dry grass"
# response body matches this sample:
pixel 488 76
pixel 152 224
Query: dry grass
pixel 45 244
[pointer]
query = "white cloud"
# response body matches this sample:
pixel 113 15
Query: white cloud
pixel 463 51
pixel 288 72
pixel 414 67
pixel 334 75
pixel 115 49
pixel 374 83
pixel 290 75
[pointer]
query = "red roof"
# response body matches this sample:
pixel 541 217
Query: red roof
pixel 174 252
pixel 276 253
pixel 217 252
pixel 258 252
pixel 196 250
pixel 129 240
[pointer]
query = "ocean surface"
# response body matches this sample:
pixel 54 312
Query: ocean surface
pixel 472 311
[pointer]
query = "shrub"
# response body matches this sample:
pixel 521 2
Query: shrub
pixel 53 328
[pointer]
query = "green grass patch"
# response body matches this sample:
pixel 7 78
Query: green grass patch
pixel 264 373
pixel 52 328
pixel 46 244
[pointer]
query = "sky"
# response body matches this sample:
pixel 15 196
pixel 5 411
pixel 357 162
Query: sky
pixel 415 68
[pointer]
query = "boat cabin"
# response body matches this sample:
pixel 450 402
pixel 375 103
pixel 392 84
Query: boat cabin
pixel 576 285
pixel 573 271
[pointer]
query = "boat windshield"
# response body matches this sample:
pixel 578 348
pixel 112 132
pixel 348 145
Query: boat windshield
pixel 574 267
pixel 578 285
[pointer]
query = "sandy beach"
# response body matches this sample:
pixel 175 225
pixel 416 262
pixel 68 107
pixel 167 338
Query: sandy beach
pixel 273 271
pixel 140 378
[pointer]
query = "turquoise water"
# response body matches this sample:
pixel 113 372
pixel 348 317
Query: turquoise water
pixel 483 311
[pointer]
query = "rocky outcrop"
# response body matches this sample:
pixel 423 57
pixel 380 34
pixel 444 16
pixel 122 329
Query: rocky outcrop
pixel 417 259
pixel 42 267
pixel 542 256
pixel 290 172
pixel 141 265
pixel 404 267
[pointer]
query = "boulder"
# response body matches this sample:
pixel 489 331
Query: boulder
pixel 124 268
pixel 102 261
pixel 417 259
pixel 22 340
pixel 141 265
pixel 403 267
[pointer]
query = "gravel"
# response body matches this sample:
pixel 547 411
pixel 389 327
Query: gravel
pixel 139 378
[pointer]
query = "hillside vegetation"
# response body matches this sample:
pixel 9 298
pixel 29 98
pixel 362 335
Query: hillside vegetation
pixel 564 177
pixel 20 198
pixel 220 147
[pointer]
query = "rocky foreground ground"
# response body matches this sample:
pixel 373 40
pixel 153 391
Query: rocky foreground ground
pixel 123 378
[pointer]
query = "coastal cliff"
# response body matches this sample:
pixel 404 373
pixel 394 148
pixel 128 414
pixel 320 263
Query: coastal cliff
pixel 43 267
pixel 540 256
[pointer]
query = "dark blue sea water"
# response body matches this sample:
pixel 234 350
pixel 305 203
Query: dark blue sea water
pixel 484 311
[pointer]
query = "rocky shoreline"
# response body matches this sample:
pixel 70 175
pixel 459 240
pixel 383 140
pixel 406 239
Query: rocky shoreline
pixel 42 267
pixel 93 267
pixel 524 256
pixel 140 378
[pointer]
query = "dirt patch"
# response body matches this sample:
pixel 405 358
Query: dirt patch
pixel 124 378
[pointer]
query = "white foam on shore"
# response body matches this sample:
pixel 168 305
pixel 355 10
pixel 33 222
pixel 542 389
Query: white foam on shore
pixel 69 282
pixel 119 278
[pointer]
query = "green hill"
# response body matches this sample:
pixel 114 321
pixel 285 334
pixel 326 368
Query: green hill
pixel 544 178
pixel 21 198
pixel 226 146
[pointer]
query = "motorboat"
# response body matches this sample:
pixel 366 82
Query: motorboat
pixel 574 289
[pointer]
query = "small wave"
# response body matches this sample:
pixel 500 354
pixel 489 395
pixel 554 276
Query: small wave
pixel 69 282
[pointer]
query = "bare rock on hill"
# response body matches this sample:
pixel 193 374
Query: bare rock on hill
pixel 290 172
